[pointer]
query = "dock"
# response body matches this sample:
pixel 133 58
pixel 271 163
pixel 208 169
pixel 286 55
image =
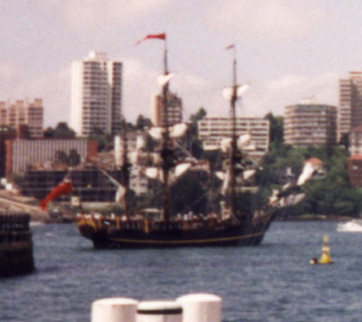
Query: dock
pixel 16 245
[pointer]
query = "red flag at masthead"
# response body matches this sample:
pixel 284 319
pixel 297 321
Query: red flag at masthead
pixel 152 36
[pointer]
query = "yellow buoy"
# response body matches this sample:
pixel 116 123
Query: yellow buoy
pixel 325 257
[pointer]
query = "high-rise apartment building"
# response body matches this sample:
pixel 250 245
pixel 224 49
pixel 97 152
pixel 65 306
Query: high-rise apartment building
pixel 213 129
pixel 355 141
pixel 310 124
pixel 350 103
pixel 23 113
pixel 174 110
pixel 96 95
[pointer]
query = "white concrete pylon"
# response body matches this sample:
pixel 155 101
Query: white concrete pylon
pixel 114 310
pixel 201 307
pixel 159 311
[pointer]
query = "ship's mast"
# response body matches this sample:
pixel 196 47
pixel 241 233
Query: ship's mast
pixel 166 152
pixel 125 167
pixel 233 150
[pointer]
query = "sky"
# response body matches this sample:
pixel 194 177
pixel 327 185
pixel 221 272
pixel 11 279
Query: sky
pixel 288 50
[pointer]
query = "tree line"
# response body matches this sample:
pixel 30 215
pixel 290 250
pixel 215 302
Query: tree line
pixel 329 195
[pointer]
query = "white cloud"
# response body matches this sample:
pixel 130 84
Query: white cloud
pixel 194 91
pixel 53 88
pixel 7 73
pixel 275 19
pixel 298 85
pixel 291 89
pixel 138 87
pixel 140 84
pixel 83 15
pixel 288 81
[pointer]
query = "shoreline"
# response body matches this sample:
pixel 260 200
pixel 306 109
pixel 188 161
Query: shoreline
pixel 317 218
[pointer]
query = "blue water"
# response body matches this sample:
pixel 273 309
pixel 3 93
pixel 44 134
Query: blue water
pixel 271 282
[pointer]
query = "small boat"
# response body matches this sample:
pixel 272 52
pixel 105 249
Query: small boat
pixel 352 226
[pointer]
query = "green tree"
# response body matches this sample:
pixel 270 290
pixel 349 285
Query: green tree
pixel 276 128
pixel 74 158
pixel 49 133
pixel 196 144
pixel 199 115
pixel 142 122
pixel 61 157
pixel 330 195
pixel 104 140
pixel 61 131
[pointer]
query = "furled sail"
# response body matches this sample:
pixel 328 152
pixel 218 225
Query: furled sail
pixel 308 171
pixel 248 174
pixel 241 89
pixel 156 133
pixel 164 79
pixel 178 130
pixel 153 173
pixel 181 168
pixel 244 141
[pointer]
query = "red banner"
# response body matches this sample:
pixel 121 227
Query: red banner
pixel 63 188
pixel 153 36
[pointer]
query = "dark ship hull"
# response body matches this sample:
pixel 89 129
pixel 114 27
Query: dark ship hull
pixel 113 233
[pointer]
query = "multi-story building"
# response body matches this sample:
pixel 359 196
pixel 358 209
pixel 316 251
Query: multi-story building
pixel 355 170
pixel 350 103
pixel 134 142
pixel 6 133
pixel 96 95
pixel 174 110
pixel 355 140
pixel 24 113
pixel 310 124
pixel 21 155
pixel 213 129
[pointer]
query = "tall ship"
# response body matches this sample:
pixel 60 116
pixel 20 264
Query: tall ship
pixel 239 216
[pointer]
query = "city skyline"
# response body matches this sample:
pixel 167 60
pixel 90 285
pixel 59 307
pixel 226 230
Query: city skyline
pixel 286 51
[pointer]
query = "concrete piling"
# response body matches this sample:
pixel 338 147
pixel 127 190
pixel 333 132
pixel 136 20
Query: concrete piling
pixel 201 307
pixel 187 308
pixel 159 311
pixel 114 310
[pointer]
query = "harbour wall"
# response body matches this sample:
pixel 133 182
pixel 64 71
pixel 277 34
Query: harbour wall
pixel 16 245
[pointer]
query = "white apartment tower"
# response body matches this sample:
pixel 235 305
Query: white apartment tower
pixel 350 103
pixel 96 95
